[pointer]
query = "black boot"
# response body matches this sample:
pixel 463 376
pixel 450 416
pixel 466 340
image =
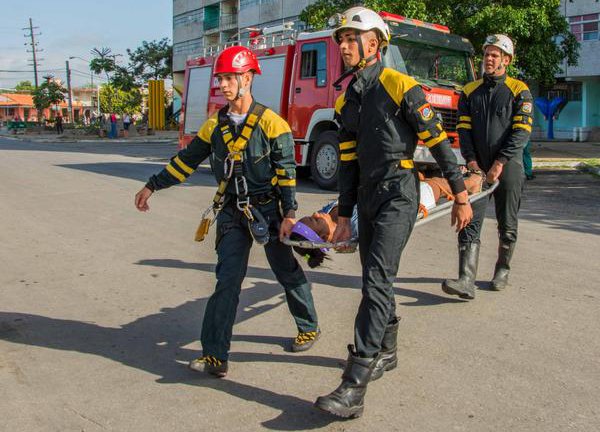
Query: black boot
pixel 502 270
pixel 388 359
pixel 348 399
pixel 468 259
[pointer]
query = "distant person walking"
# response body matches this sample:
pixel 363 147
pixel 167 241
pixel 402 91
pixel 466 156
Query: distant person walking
pixel 59 124
pixel 113 126
pixel 126 123
pixel 528 162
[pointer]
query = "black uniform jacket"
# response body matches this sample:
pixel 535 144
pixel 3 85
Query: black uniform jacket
pixel 495 119
pixel 383 114
pixel 268 158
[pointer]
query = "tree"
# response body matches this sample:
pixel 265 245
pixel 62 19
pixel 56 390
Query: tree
pixel 541 34
pixel 113 99
pixel 24 86
pixel 152 60
pixel 47 94
pixel 103 61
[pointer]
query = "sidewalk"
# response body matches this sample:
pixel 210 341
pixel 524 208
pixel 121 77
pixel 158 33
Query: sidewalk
pixel 159 136
pixel 548 151
pixel 566 154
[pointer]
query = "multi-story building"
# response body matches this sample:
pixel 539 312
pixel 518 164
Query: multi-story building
pixel 579 85
pixel 198 24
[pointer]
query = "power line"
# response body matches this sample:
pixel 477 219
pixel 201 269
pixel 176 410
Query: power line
pixel 25 71
pixel 34 48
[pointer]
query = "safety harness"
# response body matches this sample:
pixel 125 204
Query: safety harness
pixel 233 168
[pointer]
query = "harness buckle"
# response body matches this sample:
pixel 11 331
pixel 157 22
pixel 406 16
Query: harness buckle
pixel 243 200
pixel 229 163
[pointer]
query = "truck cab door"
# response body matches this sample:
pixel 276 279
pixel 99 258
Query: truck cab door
pixel 311 87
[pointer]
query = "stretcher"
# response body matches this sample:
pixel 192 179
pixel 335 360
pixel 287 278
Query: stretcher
pixel 437 212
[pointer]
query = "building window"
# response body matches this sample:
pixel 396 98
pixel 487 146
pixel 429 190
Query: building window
pixel 314 62
pixel 188 18
pixel 569 90
pixel 211 17
pixel 584 27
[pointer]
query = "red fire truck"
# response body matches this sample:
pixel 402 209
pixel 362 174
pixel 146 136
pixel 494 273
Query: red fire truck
pixel 296 82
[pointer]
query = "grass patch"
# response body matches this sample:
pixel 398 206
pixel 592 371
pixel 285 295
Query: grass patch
pixel 590 166
pixel 594 163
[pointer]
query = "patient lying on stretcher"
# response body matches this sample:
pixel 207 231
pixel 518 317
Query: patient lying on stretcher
pixel 321 225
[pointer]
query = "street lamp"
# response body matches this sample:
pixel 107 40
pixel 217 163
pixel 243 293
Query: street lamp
pixel 88 63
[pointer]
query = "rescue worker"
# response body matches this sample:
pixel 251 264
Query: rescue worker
pixel 253 145
pixel 377 173
pixel 528 162
pixel 495 118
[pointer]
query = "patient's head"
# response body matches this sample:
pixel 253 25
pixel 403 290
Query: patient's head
pixel 322 224
pixel 302 231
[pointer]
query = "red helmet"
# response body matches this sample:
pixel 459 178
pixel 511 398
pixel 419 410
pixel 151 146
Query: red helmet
pixel 237 59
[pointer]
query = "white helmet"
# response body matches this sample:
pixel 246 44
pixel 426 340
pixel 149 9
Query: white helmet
pixel 500 41
pixel 361 19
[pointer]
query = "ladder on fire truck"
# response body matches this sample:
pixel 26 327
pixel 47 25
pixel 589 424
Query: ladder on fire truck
pixel 265 38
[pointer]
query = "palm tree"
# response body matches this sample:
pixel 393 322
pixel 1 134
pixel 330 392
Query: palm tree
pixel 103 61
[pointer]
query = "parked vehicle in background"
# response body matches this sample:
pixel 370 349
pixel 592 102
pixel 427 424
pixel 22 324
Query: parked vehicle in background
pixel 296 82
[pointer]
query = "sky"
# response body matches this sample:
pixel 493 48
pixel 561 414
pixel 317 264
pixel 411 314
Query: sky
pixel 73 28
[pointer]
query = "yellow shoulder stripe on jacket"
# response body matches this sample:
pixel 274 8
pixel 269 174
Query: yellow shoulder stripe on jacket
pixel 208 127
pixel 340 102
pixel 472 86
pixel 273 125
pixel 516 86
pixel 396 84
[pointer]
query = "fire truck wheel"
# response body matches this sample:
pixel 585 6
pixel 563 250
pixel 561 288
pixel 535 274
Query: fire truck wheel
pixel 325 160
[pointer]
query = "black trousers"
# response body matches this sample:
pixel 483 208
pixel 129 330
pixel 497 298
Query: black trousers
pixel 507 200
pixel 233 249
pixel 386 216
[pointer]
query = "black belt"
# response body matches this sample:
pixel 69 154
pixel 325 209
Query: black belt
pixel 265 198
pixel 255 200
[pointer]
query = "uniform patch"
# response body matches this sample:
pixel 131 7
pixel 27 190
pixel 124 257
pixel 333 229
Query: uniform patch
pixel 426 112
pixel 527 107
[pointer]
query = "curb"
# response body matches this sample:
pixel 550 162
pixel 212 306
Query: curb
pixel 99 141
pixel 556 163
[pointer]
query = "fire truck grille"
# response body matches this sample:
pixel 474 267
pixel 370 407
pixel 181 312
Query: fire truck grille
pixel 449 118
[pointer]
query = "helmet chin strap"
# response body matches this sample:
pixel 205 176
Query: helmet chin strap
pixel 241 91
pixel 362 63
pixel 361 52
pixel 501 66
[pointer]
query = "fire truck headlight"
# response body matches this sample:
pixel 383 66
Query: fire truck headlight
pixel 334 20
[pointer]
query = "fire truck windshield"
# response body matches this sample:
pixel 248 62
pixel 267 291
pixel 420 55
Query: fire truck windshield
pixel 430 65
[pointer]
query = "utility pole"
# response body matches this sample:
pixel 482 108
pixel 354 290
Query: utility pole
pixel 70 92
pixel 34 48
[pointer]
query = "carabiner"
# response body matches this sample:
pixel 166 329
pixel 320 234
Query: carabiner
pixel 248 213
pixel 228 168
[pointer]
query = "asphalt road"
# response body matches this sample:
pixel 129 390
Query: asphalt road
pixel 101 306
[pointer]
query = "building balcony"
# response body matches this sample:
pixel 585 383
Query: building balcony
pixel 228 21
